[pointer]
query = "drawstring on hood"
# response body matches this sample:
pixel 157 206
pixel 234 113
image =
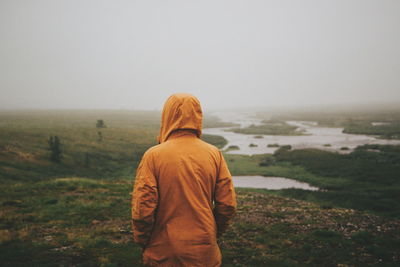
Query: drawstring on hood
pixel 181 111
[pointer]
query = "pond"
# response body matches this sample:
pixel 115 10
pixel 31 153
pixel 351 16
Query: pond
pixel 271 183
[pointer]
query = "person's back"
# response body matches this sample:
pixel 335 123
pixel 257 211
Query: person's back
pixel 183 196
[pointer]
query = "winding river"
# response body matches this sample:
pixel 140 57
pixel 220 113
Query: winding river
pixel 325 138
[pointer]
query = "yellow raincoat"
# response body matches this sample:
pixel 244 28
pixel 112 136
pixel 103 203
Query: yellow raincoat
pixel 183 196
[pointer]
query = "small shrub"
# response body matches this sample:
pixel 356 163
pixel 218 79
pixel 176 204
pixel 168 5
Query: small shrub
pixel 100 124
pixel 54 146
pixel 273 145
pixel 233 148
pixel 100 136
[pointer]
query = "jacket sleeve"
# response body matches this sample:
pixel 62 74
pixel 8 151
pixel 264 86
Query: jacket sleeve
pixel 144 201
pixel 224 199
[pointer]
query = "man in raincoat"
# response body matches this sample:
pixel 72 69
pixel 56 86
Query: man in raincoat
pixel 183 198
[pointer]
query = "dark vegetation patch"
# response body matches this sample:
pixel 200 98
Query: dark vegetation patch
pixel 389 131
pixel 360 165
pixel 269 129
pixel 215 140
pixel 365 180
pixel 273 145
pixel 362 179
pixel 232 147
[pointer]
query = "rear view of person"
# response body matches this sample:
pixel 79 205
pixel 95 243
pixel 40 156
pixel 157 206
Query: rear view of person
pixel 183 197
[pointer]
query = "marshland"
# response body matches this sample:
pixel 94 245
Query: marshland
pixel 76 211
pixel 301 97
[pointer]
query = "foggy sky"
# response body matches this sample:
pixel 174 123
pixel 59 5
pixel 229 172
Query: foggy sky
pixel 133 54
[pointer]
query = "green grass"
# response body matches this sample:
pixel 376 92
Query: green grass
pixel 86 222
pixel 24 151
pixel 281 128
pixel 77 212
pixel 216 140
pixel 273 145
pixel 390 131
pixel 274 231
pixel 68 221
pixel 231 147
pixel 363 180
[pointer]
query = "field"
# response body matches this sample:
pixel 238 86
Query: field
pixel 77 212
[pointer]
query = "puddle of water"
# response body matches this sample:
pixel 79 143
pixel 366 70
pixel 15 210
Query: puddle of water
pixel 324 138
pixel 271 183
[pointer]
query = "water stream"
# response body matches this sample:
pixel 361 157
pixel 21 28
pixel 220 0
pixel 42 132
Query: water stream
pixel 325 138
pixel 271 183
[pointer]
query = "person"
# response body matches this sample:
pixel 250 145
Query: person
pixel 183 197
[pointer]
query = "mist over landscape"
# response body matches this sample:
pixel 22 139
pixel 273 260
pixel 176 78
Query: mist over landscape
pixel 302 98
pixel 230 54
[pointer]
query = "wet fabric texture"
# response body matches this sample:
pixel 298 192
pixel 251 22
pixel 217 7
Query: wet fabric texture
pixel 183 196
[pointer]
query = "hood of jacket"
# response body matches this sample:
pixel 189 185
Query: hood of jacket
pixel 181 111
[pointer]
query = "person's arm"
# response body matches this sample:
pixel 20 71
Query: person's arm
pixel 224 198
pixel 144 201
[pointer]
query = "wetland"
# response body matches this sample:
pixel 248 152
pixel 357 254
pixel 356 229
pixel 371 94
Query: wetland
pixel 77 211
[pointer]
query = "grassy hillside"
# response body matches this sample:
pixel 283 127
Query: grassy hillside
pixel 67 221
pixel 86 222
pixel 24 149
pixel 275 231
